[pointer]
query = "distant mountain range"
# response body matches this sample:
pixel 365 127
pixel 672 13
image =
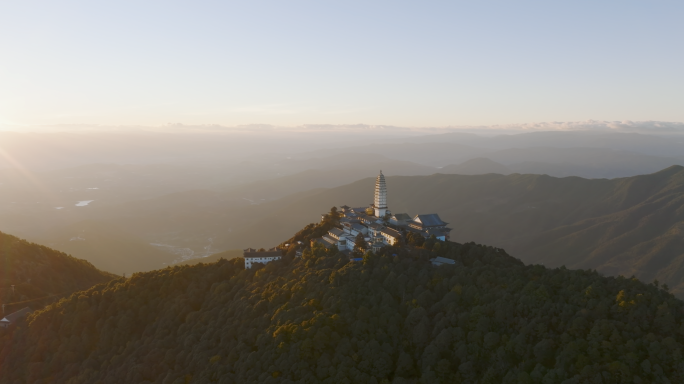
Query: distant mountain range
pixel 563 162
pixel 617 226
pixel 668 146
pixel 229 193
pixel 586 162
pixel 476 166
pixel 620 226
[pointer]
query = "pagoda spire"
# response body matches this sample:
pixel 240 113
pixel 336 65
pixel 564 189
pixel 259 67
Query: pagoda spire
pixel 380 202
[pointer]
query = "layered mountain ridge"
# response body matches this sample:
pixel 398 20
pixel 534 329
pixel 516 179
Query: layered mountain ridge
pixel 618 226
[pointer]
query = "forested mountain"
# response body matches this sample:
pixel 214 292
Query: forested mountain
pixel 40 275
pixel 619 226
pixel 391 318
pixel 226 255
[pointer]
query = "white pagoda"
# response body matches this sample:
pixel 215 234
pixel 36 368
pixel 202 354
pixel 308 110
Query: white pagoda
pixel 380 202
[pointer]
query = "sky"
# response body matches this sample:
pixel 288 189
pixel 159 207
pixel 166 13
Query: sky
pixel 403 63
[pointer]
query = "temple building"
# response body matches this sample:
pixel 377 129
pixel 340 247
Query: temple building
pixel 253 256
pixel 379 226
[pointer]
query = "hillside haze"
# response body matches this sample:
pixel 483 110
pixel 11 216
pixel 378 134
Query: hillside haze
pixel 621 226
pixel 568 300
pixel 288 192
pixel 167 198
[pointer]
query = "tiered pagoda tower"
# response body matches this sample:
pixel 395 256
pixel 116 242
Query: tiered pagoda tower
pixel 380 203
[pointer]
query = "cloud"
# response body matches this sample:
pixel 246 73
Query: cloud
pixel 646 127
pixel 653 127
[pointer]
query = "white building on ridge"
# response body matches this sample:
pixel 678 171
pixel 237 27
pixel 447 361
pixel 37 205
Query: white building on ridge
pixel 253 256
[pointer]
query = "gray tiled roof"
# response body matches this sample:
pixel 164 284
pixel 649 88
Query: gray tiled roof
pixel 322 242
pixel 391 232
pixel 431 220
pixel 336 232
pixel 442 260
pixel 401 216
pixel 329 239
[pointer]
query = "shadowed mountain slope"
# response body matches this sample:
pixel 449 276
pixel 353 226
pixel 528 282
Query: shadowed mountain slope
pixel 40 274
pixel 391 318
pixel 226 255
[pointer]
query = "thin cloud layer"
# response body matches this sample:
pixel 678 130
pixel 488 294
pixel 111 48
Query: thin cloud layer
pixel 652 127
pixel 595 125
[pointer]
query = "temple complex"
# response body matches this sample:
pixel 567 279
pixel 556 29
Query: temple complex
pixel 378 226
pixel 375 224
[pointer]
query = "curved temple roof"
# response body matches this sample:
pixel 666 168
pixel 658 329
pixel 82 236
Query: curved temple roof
pixel 431 220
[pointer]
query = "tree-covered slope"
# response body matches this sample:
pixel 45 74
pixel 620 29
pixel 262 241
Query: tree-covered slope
pixel 40 274
pixel 227 255
pixel 617 226
pixel 391 318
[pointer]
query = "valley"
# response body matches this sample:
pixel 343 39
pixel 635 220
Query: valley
pixel 140 217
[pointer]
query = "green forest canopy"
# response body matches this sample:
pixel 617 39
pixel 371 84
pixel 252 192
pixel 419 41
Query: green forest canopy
pixel 392 317
pixel 41 274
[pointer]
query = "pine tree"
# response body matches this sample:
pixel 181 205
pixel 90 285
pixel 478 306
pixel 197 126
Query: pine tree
pixel 360 244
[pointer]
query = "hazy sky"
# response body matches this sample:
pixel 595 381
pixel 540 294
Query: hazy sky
pixel 408 63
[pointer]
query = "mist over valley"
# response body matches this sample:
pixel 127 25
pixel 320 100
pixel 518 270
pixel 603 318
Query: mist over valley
pixel 338 193
pixel 159 210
